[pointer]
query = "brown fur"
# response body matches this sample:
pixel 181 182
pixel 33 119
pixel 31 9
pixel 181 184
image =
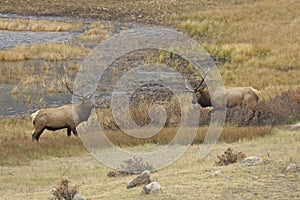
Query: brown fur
pixel 235 96
pixel 67 116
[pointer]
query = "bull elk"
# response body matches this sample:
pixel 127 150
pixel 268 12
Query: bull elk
pixel 66 116
pixel 235 96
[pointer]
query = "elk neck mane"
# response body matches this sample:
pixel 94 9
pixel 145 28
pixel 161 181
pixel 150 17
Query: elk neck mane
pixel 206 100
pixel 84 110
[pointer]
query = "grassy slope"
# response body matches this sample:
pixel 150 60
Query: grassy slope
pixel 187 178
pixel 259 42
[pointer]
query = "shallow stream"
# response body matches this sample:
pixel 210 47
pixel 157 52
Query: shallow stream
pixel 23 103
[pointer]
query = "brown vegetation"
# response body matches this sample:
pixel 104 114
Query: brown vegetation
pixel 37 25
pixel 17 147
pixel 95 33
pixel 135 165
pixel 279 110
pixel 64 191
pixel 229 157
pixel 46 51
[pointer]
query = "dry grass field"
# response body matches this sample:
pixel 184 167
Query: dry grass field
pixel 189 177
pixel 256 44
pixel 253 42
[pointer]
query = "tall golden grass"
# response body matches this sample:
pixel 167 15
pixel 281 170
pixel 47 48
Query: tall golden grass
pixel 14 74
pixel 229 134
pixel 37 25
pixel 96 32
pixel 46 51
pixel 16 145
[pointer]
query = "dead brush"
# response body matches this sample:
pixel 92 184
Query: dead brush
pixel 229 157
pixel 131 166
pixel 64 191
pixel 281 109
pixel 135 165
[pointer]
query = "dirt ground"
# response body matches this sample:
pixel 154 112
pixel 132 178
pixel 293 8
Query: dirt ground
pixel 141 11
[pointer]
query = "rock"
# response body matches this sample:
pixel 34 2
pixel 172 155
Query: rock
pixel 152 188
pixel 289 168
pixel 216 173
pixel 294 126
pixel 143 178
pixel 252 160
pixel 79 197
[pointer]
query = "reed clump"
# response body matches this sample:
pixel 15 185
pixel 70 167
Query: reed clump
pixel 37 25
pixel 96 32
pixel 46 51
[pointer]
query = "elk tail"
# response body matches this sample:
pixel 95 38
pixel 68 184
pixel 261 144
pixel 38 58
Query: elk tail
pixel 258 94
pixel 33 115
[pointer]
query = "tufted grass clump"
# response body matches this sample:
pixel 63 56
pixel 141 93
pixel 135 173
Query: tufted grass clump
pixel 135 165
pixel 64 191
pixel 45 51
pixel 37 25
pixel 229 157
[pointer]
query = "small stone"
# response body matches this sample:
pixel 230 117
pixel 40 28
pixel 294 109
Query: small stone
pixel 252 160
pixel 79 197
pixel 152 188
pixel 294 126
pixel 143 178
pixel 216 173
pixel 290 167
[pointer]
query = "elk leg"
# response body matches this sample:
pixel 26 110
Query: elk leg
pixel 258 113
pixel 36 134
pixel 74 131
pixel 69 131
pixel 253 115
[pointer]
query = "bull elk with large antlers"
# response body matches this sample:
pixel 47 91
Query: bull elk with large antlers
pixel 235 96
pixel 66 116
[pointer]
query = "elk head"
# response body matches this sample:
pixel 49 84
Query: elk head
pixel 202 95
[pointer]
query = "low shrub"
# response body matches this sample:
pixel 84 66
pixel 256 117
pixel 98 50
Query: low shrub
pixel 64 191
pixel 229 157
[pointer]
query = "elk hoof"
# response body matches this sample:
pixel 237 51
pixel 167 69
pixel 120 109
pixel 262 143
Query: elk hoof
pixel 34 138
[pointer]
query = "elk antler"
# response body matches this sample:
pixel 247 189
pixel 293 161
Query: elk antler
pixel 188 87
pixel 203 77
pixel 71 91
pixel 81 97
